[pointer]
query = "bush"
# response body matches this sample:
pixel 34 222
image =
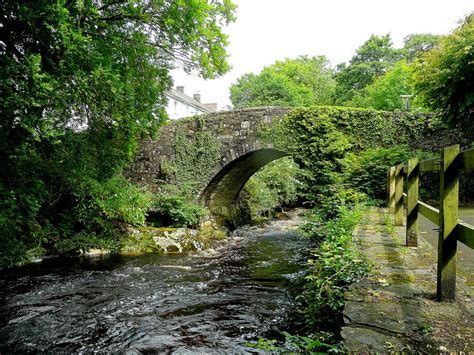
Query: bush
pixel 334 264
pixel 174 208
pixel 366 171
pixel 277 184
pixel 97 217
pixel 116 199
pixel 329 207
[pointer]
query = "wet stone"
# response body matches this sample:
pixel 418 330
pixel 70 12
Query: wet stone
pixel 363 340
pixel 394 309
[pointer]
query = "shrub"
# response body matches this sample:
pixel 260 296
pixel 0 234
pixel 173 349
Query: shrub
pixel 95 214
pixel 175 208
pixel 275 185
pixel 366 171
pixel 334 264
pixel 116 199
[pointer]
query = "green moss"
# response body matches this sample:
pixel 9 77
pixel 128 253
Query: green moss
pixel 398 278
pixel 210 234
pixel 392 257
pixel 169 240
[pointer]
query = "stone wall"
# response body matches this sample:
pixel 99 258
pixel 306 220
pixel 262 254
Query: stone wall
pixel 237 133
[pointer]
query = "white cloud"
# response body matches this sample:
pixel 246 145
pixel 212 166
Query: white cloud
pixel 268 30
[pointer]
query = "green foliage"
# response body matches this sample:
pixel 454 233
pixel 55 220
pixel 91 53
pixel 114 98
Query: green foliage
pixel 306 344
pixel 95 217
pixel 374 78
pixel 115 199
pixel 416 44
pixel 384 93
pixel 304 81
pixel 444 76
pixel 371 60
pixel 335 263
pixel 329 207
pixel 263 344
pixel 366 171
pixel 196 157
pixel 275 185
pixel 316 145
pixel 293 343
pixel 318 139
pixel 176 207
pixel 81 83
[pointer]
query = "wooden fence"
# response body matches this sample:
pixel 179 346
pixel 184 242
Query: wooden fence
pixel 451 229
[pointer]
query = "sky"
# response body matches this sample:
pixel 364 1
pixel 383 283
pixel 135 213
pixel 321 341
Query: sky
pixel 270 30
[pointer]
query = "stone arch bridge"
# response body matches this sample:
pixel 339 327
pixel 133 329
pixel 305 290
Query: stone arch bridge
pixel 238 154
pixel 217 153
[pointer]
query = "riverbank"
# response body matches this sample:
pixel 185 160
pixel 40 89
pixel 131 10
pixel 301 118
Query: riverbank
pixel 394 309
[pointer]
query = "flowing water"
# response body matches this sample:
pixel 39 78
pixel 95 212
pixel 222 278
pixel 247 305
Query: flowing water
pixel 209 301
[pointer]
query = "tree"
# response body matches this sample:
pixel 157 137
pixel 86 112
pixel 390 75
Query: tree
pixel 99 67
pixel 417 44
pixel 385 92
pixel 303 81
pixel 371 60
pixel 273 186
pixel 444 76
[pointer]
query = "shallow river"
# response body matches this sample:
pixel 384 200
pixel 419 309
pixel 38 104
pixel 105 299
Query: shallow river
pixel 211 301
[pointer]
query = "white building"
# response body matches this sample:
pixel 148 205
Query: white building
pixel 181 105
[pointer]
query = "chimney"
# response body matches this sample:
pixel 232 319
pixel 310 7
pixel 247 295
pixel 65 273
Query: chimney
pixel 180 89
pixel 211 106
pixel 197 96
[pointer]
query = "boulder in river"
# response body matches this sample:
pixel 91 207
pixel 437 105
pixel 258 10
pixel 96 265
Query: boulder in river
pixel 169 240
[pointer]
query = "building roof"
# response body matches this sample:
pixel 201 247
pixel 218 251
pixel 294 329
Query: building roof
pixel 174 94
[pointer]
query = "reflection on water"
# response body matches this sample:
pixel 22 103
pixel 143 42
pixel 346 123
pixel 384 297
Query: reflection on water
pixel 210 301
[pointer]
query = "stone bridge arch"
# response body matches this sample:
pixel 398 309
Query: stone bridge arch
pixel 241 152
pixel 221 151
pixel 222 192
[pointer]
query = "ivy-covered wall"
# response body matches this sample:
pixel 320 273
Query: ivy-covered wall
pixel 371 128
pixel 188 153
pixel 320 139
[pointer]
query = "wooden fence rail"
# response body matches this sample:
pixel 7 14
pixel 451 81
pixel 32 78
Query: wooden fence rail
pixel 451 229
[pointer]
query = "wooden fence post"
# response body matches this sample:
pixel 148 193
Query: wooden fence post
pixel 399 195
pixel 413 181
pixel 391 189
pixel 448 219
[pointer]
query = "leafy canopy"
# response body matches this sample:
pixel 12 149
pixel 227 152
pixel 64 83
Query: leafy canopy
pixel 303 81
pixel 371 60
pixel 416 44
pixel 81 82
pixel 385 92
pixel 444 76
